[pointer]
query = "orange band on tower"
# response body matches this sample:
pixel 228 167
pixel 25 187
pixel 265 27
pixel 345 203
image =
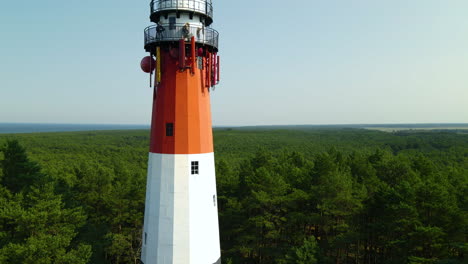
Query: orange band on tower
pixel 184 103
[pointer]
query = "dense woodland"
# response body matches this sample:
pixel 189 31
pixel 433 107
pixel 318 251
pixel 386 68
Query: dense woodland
pixel 285 196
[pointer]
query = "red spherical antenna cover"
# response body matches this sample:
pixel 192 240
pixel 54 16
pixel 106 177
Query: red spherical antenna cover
pixel 148 64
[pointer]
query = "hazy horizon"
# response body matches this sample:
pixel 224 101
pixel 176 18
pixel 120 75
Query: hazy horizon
pixel 344 124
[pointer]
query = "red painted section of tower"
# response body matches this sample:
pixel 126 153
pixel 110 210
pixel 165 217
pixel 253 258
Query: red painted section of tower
pixel 183 100
pixel 214 70
pixel 209 68
pixel 218 70
pixel 182 54
pixel 193 54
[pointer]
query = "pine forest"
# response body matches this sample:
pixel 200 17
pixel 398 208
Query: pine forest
pixel 290 195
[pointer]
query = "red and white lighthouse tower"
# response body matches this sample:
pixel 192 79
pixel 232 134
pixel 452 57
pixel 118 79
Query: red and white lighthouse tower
pixel 181 215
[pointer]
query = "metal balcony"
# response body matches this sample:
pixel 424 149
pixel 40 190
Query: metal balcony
pixel 202 7
pixel 171 33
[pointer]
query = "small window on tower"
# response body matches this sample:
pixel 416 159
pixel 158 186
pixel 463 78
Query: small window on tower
pixel 169 129
pixel 172 22
pixel 194 167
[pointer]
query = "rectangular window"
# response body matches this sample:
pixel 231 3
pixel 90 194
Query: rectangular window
pixel 169 129
pixel 172 23
pixel 146 238
pixel 194 167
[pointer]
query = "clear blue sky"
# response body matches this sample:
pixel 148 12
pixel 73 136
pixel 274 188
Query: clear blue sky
pixel 283 62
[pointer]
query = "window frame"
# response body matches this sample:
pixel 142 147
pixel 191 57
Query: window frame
pixel 172 23
pixel 169 128
pixel 195 168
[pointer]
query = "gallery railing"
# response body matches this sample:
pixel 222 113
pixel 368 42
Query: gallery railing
pixel 174 32
pixel 198 6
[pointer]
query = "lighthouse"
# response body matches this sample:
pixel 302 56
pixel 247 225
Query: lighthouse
pixel 181 215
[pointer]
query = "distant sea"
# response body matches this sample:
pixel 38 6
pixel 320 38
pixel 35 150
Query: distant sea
pixel 14 128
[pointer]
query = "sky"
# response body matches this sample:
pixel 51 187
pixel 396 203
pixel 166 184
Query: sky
pixel 282 62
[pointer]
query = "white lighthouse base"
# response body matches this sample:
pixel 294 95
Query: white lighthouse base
pixel 181 213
